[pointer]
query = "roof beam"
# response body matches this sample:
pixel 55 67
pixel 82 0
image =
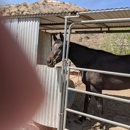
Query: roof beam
pixel 89 18
pixel 103 31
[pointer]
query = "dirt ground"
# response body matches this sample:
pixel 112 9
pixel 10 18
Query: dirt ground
pixel 113 110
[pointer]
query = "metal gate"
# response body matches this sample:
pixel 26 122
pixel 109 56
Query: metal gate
pixel 66 71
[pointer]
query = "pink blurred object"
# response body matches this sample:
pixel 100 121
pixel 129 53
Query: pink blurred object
pixel 30 126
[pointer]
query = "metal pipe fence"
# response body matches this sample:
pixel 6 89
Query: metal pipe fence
pixel 98 95
pixel 66 69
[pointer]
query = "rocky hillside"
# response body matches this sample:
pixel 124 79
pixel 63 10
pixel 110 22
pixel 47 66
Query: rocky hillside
pixel 90 40
pixel 43 6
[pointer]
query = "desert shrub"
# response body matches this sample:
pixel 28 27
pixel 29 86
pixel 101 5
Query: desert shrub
pixel 87 37
pixel 118 43
pixel 3 10
pixel 36 2
pixel 43 3
pixel 17 5
pixel 24 4
pixel 16 13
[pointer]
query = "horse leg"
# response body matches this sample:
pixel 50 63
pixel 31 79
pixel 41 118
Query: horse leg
pixel 99 102
pixel 86 103
pixel 100 108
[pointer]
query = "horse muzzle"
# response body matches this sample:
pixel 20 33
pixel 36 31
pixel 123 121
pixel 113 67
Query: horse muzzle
pixel 51 63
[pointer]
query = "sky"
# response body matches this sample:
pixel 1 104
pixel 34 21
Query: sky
pixel 89 4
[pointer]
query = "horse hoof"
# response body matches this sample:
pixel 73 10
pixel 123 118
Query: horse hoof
pixel 78 122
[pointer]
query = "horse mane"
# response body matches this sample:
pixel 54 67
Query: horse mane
pixel 92 49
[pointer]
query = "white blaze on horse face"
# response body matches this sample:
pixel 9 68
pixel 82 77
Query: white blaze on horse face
pixel 57 52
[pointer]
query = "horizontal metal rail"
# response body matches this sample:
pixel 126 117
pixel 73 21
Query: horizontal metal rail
pixel 101 71
pixel 118 20
pixel 100 95
pixel 101 31
pixel 98 118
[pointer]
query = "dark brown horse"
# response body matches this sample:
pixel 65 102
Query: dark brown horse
pixel 85 57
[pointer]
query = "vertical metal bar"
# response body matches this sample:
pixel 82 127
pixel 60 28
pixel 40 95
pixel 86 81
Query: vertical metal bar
pixel 64 76
pixel 64 43
pixel 63 92
pixel 69 32
pixel 68 42
pixel 62 81
pixel 66 96
pixel 59 110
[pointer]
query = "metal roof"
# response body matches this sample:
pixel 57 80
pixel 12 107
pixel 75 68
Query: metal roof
pixel 56 21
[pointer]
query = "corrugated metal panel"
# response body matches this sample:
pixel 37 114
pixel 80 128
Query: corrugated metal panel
pixel 12 25
pixel 28 30
pixel 25 31
pixel 7 23
pixel 43 14
pixel 48 114
pixel 108 13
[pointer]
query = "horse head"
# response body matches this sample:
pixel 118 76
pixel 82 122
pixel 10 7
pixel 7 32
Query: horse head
pixel 56 53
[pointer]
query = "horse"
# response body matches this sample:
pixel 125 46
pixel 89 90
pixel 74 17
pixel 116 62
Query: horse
pixel 89 58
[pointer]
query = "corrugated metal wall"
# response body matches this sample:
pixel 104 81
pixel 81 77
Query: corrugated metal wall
pixel 48 113
pixel 26 32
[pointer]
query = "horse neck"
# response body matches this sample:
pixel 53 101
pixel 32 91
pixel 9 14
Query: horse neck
pixel 81 56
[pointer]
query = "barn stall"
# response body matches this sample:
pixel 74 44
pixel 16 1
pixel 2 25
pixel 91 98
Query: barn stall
pixel 33 35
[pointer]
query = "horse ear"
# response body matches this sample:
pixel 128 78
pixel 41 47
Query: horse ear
pixel 61 37
pixel 54 37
